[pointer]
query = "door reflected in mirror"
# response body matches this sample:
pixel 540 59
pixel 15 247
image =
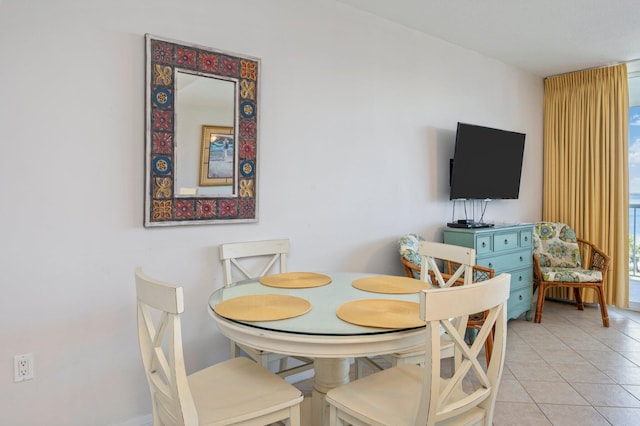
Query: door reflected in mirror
pixel 201 134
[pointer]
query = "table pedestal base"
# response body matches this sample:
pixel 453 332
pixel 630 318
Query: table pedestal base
pixel 329 373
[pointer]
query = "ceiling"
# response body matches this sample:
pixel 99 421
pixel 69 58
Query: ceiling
pixel 544 37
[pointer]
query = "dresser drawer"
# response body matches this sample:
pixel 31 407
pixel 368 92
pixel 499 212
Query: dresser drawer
pixel 506 262
pixel 504 249
pixel 519 302
pixel 505 241
pixel 526 238
pixel 521 278
pixel 483 244
pixel 497 242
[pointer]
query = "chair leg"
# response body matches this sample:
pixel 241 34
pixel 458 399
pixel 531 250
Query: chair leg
pixel 235 350
pixel 359 368
pixel 294 416
pixel 263 361
pixel 603 307
pixel 333 416
pixel 283 364
pixel 541 291
pixel 578 297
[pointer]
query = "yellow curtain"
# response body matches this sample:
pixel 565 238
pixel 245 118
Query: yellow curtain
pixel 586 119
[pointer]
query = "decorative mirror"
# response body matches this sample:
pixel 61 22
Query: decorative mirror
pixel 201 135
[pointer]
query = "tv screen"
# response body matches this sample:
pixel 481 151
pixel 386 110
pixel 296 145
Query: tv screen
pixel 487 163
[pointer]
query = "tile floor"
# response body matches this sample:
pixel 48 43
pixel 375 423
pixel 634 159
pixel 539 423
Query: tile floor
pixel 569 370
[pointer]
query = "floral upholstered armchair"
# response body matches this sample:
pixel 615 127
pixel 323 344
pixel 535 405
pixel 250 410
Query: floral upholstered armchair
pixel 408 247
pixel 558 262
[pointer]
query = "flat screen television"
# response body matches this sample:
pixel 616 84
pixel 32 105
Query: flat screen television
pixel 487 163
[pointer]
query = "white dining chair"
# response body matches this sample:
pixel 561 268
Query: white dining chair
pixel 410 394
pixel 236 391
pixel 435 257
pixel 255 259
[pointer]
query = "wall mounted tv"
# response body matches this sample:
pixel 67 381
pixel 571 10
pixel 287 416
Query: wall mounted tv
pixel 487 163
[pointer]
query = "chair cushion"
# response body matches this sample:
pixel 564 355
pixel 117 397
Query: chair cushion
pixel 408 246
pixel 573 275
pixel 556 245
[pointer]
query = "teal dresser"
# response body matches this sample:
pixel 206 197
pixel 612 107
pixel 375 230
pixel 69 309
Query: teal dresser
pixel 508 249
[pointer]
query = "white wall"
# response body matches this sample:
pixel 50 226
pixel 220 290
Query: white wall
pixel 358 118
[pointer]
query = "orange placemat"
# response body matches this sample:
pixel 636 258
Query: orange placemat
pixel 390 284
pixel 295 280
pixel 263 307
pixel 381 313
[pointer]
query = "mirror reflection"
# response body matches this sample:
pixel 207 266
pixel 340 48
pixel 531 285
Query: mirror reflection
pixel 205 118
pixel 201 134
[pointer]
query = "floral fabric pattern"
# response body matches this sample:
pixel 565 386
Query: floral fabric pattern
pixel 556 246
pixel 574 275
pixel 408 246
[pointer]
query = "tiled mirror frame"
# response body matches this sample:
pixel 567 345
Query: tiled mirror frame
pixel 164 57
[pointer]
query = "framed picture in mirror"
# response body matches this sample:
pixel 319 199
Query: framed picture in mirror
pixel 217 156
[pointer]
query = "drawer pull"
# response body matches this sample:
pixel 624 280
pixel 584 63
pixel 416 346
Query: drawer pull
pixel 484 244
pixel 526 238
pixel 519 277
pixel 520 297
pixel 521 258
pixel 506 242
pixel 490 265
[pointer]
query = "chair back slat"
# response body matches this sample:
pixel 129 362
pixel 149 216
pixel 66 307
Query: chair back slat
pixel 253 259
pixel 446 397
pixel 434 254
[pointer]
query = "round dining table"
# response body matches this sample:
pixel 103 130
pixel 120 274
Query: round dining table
pixel 319 333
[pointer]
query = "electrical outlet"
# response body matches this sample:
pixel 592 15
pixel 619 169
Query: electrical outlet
pixel 22 367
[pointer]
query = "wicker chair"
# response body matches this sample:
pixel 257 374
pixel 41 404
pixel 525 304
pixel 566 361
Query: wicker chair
pixel 557 262
pixel 480 273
